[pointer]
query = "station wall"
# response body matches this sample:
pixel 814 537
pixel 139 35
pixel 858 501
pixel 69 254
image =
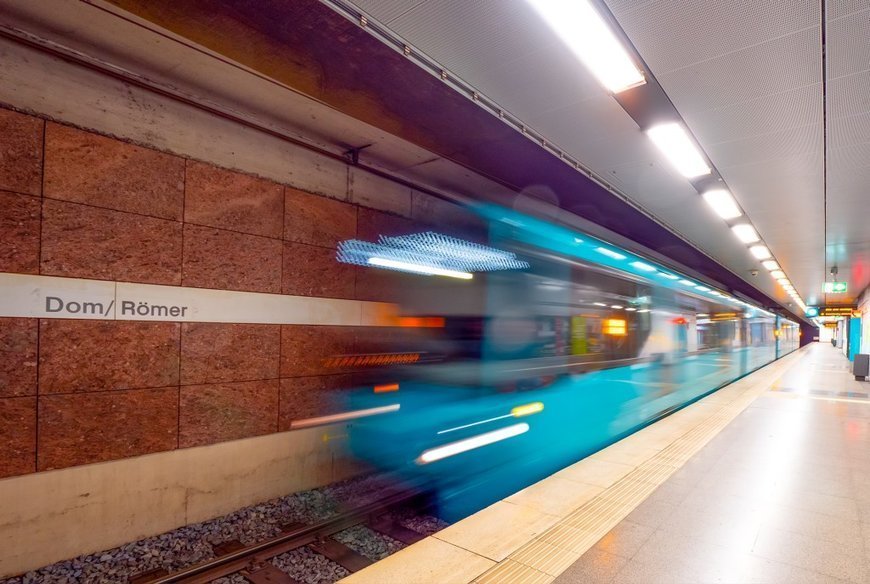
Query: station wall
pixel 80 205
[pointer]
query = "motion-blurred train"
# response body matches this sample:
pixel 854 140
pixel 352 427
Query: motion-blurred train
pixel 536 350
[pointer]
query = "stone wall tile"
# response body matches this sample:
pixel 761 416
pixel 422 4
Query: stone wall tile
pixel 98 355
pixel 373 224
pixel 18 341
pixel 20 152
pixel 227 411
pixel 312 397
pixel 310 270
pixel 84 167
pixel 216 352
pixel 232 200
pixel 317 220
pixel 17 436
pixel 86 242
pixel 226 260
pixel 305 348
pixel 19 233
pixel 93 427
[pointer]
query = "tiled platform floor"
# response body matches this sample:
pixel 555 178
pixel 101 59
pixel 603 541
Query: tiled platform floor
pixel 683 500
pixel 781 495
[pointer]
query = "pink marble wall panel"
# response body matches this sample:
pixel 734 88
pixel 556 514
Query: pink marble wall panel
pixel 95 355
pixel 227 411
pixel 17 436
pixel 305 348
pixel 229 352
pixel 93 427
pixel 87 168
pixel 86 242
pixel 233 201
pixel 226 260
pixel 19 233
pixel 310 270
pixel 18 342
pixel 317 220
pixel 372 224
pixel 20 152
pixel 311 397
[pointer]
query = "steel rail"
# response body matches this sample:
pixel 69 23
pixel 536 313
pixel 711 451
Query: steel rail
pixel 251 555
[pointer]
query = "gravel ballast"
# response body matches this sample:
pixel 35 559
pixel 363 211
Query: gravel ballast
pixel 192 544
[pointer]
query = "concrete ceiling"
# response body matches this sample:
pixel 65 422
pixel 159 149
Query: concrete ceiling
pixel 747 77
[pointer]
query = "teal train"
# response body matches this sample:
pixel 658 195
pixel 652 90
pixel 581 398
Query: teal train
pixel 531 352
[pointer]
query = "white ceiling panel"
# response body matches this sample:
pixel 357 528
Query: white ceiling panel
pixel 761 148
pixel 769 68
pixel 673 34
pixel 838 8
pixel 849 52
pixel 763 115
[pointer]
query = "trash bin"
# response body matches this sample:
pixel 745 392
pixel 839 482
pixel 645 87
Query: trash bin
pixel 861 366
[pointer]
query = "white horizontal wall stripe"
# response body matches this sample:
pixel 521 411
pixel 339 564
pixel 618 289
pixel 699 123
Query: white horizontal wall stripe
pixel 52 297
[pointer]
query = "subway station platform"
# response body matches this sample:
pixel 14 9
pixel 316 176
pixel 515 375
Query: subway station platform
pixel 762 481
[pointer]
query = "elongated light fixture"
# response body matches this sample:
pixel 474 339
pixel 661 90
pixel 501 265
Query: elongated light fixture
pixel 722 203
pixel 777 274
pixel 675 143
pixel 760 252
pixel 419 269
pixel 770 265
pixel 745 233
pixel 461 446
pixel 589 37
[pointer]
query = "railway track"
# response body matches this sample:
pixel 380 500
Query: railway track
pixel 252 562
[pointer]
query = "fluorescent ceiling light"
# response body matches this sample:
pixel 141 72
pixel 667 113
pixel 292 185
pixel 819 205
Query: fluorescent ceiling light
pixel 777 274
pixel 668 276
pixel 770 265
pixel 722 203
pixel 644 310
pixel 610 253
pixel 587 34
pixel 616 307
pixel 419 269
pixel 460 446
pixel 745 233
pixel 630 309
pixel 643 266
pixel 687 283
pixel 598 304
pixel 760 252
pixel 702 289
pixel 678 147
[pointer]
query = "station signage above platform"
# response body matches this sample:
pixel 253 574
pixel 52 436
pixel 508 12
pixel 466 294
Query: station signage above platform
pixel 838 311
pixel 835 287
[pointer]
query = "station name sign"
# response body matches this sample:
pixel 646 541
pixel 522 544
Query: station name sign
pixel 35 296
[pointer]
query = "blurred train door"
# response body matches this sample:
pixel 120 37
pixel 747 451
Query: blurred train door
pixel 681 335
